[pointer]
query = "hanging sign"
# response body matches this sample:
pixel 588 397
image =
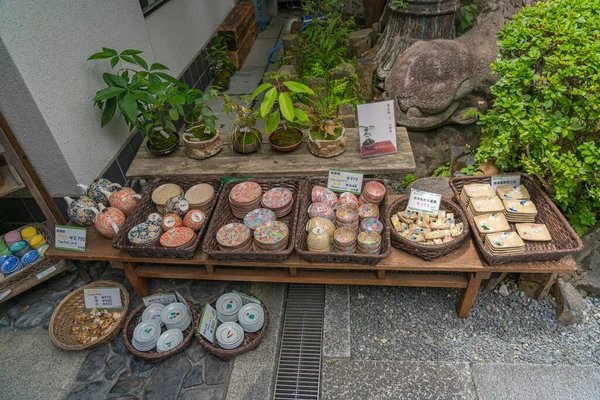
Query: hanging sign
pixel 503 180
pixel 105 298
pixel 426 202
pixel 345 181
pixel 377 129
pixel 208 323
pixel 70 238
pixel 163 298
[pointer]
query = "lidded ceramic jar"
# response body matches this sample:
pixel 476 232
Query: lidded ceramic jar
pixel 125 199
pixel 319 222
pixel 194 219
pixel 80 211
pixel 108 221
pixel 171 221
pixel 318 240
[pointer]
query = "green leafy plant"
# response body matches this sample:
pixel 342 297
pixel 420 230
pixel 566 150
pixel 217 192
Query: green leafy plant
pixel 318 8
pixel 278 102
pixel 408 179
pixel 468 17
pixel 470 170
pixel 401 4
pixel 367 133
pixel 199 117
pixel 544 118
pixel 442 171
pixel 219 61
pixel 243 124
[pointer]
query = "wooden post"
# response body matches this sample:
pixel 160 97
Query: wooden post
pixel 381 274
pixel 468 297
pixel 140 286
pixel 293 271
pixel 210 268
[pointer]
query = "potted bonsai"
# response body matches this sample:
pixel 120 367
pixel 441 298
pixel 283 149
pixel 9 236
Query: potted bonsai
pixel 135 92
pixel 222 68
pixel 368 142
pixel 245 138
pixel 201 138
pixel 278 102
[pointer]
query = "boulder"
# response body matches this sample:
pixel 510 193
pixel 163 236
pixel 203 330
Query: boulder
pixel 432 185
pixel 367 34
pixel 570 304
pixel 344 70
pixel 536 286
pixel 364 70
pixel 590 282
pixel 288 70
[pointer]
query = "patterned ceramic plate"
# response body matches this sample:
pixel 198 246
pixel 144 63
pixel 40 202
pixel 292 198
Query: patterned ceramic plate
pixel 375 189
pixel 200 194
pixel 169 340
pixel 233 234
pixel 371 225
pixel 164 192
pixel 144 233
pixel 177 237
pixel 346 213
pixel 229 304
pixel 368 211
pixel 344 235
pixel 251 314
pixel 271 232
pixel 277 197
pixel 230 334
pixel 259 216
pixel 369 238
pixel 146 331
pixel 245 192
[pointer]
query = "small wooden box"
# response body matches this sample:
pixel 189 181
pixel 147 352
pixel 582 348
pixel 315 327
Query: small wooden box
pixel 237 57
pixel 238 24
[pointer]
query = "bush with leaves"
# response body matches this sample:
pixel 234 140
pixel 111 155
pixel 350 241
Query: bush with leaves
pixel 544 118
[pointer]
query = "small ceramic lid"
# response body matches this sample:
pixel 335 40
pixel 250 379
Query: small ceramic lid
pixel 233 234
pixel 259 216
pixel 278 197
pixel 245 192
pixel 200 194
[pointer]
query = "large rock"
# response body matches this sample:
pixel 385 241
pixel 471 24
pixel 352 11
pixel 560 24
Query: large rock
pixel 570 304
pixel 536 286
pixel 432 185
pixel 590 283
pixel 167 381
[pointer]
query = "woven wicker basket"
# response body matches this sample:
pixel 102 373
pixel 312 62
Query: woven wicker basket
pixel 335 257
pixel 21 280
pixel 564 239
pixel 251 340
pixel 146 207
pixel 224 216
pixel 63 318
pixel 152 356
pixel 427 252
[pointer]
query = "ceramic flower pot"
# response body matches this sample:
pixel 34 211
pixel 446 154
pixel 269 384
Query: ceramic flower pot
pixel 239 141
pixel 94 190
pixel 124 199
pixel 274 139
pixel 163 151
pixel 327 148
pixel 80 210
pixel 108 221
pixel 202 149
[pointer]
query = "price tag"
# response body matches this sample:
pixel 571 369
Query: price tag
pixel 164 299
pixel 5 293
pixel 424 202
pixel 70 238
pixel 345 181
pixel 247 299
pixel 45 273
pixel 503 180
pixel 208 323
pixel 104 298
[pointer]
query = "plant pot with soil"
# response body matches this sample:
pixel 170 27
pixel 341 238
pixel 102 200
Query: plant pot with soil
pixel 161 141
pixel 245 138
pixel 327 139
pixel 201 138
pixel 219 62
pixel 278 102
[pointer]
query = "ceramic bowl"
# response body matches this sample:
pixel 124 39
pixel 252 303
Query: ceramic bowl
pixel 322 210
pixel 318 239
pixel 28 233
pixel 195 220
pixel 171 221
pixel 177 205
pixel 30 257
pixel 37 241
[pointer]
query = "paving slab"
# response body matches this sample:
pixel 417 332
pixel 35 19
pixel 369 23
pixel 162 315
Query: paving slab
pixel 346 379
pixel 272 32
pixel 536 382
pixel 247 79
pixel 259 55
pixel 48 371
pixel 336 325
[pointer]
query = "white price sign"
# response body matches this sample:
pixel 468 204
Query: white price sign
pixel 70 238
pixel 426 202
pixel 503 180
pixel 45 273
pixel 208 323
pixel 345 181
pixel 164 299
pixel 103 298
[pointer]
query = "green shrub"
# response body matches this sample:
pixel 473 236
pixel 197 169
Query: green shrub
pixel 544 118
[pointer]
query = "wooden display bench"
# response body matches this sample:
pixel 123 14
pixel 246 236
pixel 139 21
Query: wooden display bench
pixel 462 269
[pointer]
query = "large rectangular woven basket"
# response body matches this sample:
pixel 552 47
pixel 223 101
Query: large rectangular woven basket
pixel 224 216
pixel 564 239
pixel 146 206
pixel 335 257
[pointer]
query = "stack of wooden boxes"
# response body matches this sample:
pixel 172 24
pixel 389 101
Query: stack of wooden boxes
pixel 239 29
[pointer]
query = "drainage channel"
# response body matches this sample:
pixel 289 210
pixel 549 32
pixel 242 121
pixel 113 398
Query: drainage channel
pixel 299 363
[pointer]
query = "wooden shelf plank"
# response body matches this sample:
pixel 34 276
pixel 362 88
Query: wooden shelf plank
pixel 12 181
pixel 300 162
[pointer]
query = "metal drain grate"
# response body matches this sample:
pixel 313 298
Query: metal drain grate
pixel 299 368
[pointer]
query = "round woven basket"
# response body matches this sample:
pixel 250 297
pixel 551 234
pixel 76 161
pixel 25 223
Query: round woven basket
pixel 154 356
pixel 428 252
pixel 251 340
pixel 63 318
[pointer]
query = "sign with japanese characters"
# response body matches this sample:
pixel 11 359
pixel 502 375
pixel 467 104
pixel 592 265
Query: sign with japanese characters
pixel 377 127
pixel 208 323
pixel 503 180
pixel 70 238
pixel 164 299
pixel 103 298
pixel 426 202
pixel 345 181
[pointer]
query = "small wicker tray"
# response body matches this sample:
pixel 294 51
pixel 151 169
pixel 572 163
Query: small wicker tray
pixel 427 252
pixel 224 216
pixel 251 340
pixel 152 356
pixel 146 207
pixel 564 239
pixel 318 257
pixel 63 318
pixel 21 280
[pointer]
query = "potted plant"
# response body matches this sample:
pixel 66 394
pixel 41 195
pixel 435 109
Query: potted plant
pixel 368 142
pixel 135 92
pixel 222 68
pixel 245 138
pixel 201 138
pixel 278 102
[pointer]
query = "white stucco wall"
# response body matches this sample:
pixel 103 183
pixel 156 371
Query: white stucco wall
pixel 49 42
pixel 180 28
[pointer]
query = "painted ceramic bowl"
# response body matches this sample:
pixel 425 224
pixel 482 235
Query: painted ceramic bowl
pixel 344 236
pixel 346 213
pixel 177 205
pixel 80 211
pixel 144 234
pixel 257 217
pixel 374 191
pixel 271 232
pixel 195 220
pixel 349 199
pixel 322 210
pixel 371 225
pixel 233 234
pixel 171 221
pixel 276 198
pixel 318 240
pixel 154 218
pixel 28 233
pixel 368 210
pixel 321 194
pixel 245 192
pixel 319 222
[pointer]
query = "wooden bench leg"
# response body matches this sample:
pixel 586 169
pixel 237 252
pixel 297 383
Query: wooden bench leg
pixel 210 269
pixel 83 275
pixel 381 274
pixel 468 297
pixel 293 271
pixel 140 286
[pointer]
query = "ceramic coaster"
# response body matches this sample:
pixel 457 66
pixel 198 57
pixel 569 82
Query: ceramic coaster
pixel 533 232
pixel 245 192
pixel 200 194
pixel 483 205
pixel 257 217
pixel 164 192
pixel 177 237
pixel 509 192
pixel 271 232
pixel 520 206
pixel 233 234
pixel 490 223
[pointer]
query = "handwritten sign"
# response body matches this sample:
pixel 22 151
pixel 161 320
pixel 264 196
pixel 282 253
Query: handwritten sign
pixel 377 128
pixel 503 180
pixel 208 323
pixel 164 299
pixel 426 202
pixel 70 238
pixel 246 298
pixel 104 298
pixel 345 181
